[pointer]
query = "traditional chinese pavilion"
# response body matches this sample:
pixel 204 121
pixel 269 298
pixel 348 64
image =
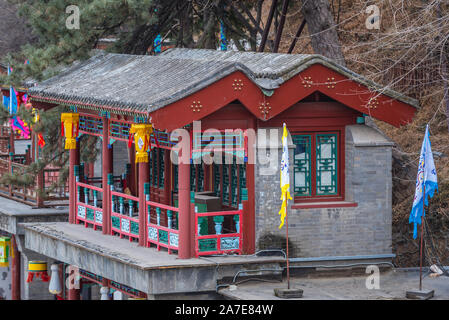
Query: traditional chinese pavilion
pixel 340 167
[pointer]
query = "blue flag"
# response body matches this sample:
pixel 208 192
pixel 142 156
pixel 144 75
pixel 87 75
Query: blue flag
pixel 426 183
pixel 10 102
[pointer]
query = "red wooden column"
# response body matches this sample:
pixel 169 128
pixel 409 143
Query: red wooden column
pixel 106 169
pixel 141 134
pixel 74 160
pixel 15 270
pixel 70 122
pixel 73 293
pixel 184 216
pixel 144 177
pixel 249 221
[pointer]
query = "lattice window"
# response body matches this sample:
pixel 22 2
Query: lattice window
pixel 326 164
pixel 302 165
pixel 316 165
pixel 91 125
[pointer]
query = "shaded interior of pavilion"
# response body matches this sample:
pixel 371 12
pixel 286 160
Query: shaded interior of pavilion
pixel 217 189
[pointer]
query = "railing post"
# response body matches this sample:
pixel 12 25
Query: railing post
pixel 192 216
pixel 169 219
pixel 158 216
pixel 130 207
pixel 86 195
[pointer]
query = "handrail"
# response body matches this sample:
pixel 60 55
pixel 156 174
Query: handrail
pixel 162 206
pixel 158 234
pixel 122 221
pixel 86 212
pixel 89 186
pixel 124 195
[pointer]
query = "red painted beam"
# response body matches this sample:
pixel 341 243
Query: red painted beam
pixel 317 78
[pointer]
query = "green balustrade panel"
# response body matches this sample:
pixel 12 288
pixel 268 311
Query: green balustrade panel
pixel 99 217
pixel 326 164
pixel 82 212
pixel 134 228
pixel 163 236
pixel 205 245
pixel 152 233
pixel 115 222
pixel 230 243
pixel 90 214
pixel 302 165
pixel 202 221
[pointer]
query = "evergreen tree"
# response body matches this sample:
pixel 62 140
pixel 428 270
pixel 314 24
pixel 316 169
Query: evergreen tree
pixel 134 24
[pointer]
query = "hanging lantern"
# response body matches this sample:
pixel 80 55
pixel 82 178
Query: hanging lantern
pixel 141 133
pixel 38 269
pixel 55 282
pixel 5 251
pixel 70 128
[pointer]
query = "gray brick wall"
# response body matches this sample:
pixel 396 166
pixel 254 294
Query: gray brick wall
pixel 361 230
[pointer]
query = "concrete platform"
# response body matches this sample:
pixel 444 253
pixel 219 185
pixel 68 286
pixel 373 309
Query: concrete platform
pixel 13 214
pixel 392 286
pixel 145 269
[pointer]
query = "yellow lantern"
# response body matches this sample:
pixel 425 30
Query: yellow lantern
pixel 70 128
pixel 141 133
pixel 38 269
pixel 5 251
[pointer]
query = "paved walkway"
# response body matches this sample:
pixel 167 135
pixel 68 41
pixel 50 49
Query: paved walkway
pixel 393 285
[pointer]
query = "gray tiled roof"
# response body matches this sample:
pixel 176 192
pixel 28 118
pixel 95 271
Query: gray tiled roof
pixel 136 83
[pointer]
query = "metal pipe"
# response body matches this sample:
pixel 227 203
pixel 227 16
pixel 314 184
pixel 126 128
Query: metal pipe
pixel 336 258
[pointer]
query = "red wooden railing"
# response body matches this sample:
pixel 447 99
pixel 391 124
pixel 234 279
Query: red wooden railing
pixel 89 205
pixel 162 236
pixel 17 164
pixel 219 243
pixel 125 215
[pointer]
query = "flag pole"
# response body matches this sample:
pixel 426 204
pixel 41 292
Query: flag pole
pixel 288 263
pixel 421 245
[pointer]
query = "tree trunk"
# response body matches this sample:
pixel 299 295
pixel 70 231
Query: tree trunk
pixel 322 30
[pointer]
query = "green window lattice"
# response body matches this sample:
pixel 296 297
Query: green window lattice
pixel 302 165
pixel 326 164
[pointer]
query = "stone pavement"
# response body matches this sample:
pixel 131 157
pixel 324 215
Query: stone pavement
pixel 393 285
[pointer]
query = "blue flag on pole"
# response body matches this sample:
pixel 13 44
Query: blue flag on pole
pixel 10 102
pixel 426 182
